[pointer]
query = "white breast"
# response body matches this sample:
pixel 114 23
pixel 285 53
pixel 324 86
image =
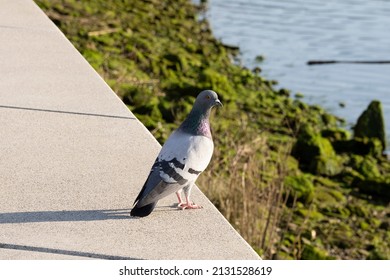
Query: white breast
pixel 193 151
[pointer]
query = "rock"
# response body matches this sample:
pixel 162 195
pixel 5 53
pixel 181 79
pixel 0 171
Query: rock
pixel 371 124
pixel 349 175
pixel 326 166
pixel 284 92
pixel 358 209
pixel 377 254
pixel 301 187
pixel 367 166
pixel 378 187
pixel 328 119
pixel 310 145
pixel 385 225
pixel 335 134
pixel 256 70
pixel 315 153
pixel 259 58
pixel 359 146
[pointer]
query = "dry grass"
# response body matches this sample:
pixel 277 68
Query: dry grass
pixel 246 185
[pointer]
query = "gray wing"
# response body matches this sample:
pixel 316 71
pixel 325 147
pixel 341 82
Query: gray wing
pixel 155 188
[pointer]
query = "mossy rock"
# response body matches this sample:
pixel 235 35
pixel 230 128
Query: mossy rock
pixel 359 146
pixel 335 134
pixel 342 236
pixel 378 187
pixel 310 144
pixel 312 214
pixel 385 225
pixel 349 176
pixel 367 166
pixel 329 196
pixel 358 209
pixel 315 153
pixel 370 124
pixel 301 187
pixel 326 166
pixel 377 254
pixel 328 119
pixel 336 211
pixel 311 252
pixel 326 182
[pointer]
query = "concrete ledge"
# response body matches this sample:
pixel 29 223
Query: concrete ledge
pixel 73 159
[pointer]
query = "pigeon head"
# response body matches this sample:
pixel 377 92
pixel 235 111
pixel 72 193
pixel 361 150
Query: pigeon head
pixel 197 121
pixel 206 100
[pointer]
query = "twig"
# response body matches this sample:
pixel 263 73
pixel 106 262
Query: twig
pixel 319 62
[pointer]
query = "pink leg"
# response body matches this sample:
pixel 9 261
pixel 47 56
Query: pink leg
pixel 178 194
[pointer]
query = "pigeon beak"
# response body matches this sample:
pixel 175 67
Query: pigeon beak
pixel 218 103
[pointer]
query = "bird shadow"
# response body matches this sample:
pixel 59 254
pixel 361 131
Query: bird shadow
pixel 73 215
pixel 64 216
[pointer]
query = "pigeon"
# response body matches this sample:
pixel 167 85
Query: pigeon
pixel 185 155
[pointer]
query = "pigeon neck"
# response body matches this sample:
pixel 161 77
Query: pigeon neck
pixel 197 123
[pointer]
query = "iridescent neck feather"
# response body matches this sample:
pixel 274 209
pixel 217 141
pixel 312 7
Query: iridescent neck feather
pixel 197 123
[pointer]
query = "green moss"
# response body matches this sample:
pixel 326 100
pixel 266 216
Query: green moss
pixel 292 164
pixel 348 177
pixel 371 124
pixel 327 166
pixel 335 211
pixel 359 146
pixel 334 134
pixel 301 187
pixel 315 153
pixel 312 214
pixel 364 226
pixel 358 209
pixel 329 120
pixel 328 196
pixel 377 254
pixel 310 145
pixel 367 166
pixel 311 252
pixel 213 79
pixel 326 182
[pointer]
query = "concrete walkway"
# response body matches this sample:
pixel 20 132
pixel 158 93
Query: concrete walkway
pixel 73 158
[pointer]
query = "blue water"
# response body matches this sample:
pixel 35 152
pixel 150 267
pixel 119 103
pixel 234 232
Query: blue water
pixel 290 33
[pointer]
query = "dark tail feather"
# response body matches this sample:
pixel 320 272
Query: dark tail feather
pixel 143 211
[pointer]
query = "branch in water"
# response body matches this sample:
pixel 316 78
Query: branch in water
pixel 318 62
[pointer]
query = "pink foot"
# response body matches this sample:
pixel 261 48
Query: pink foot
pixel 189 206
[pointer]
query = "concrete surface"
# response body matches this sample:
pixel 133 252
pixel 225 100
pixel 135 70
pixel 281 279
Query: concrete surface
pixel 73 158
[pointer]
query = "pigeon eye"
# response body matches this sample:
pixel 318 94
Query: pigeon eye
pixel 207 96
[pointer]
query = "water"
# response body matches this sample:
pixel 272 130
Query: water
pixel 288 33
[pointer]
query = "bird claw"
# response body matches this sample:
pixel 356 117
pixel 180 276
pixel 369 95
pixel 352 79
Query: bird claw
pixel 189 206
